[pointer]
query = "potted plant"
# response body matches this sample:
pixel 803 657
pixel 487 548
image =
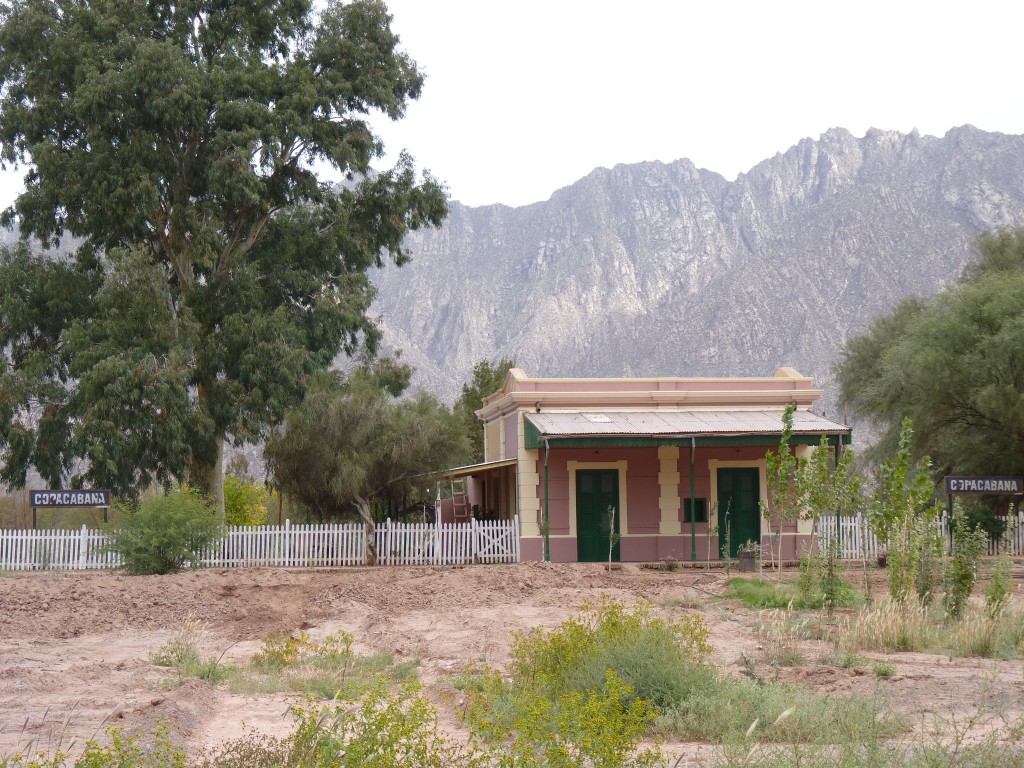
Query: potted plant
pixel 749 553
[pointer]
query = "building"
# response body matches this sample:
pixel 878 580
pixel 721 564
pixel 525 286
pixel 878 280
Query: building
pixel 675 467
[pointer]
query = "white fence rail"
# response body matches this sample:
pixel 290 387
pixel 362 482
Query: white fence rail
pixel 857 540
pixel 294 546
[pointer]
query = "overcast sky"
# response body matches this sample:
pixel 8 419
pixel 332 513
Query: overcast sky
pixel 525 97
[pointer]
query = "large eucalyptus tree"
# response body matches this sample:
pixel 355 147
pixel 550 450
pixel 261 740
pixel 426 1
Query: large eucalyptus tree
pixel 214 272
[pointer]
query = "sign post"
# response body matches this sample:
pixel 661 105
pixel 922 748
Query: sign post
pixel 992 486
pixel 78 498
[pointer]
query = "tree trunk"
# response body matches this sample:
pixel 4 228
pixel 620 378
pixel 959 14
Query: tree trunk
pixel 363 507
pixel 210 477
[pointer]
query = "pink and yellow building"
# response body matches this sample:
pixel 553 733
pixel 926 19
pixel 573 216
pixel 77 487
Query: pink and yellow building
pixel 675 467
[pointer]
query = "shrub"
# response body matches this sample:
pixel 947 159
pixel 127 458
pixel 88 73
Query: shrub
pixel 1000 586
pixel 245 503
pixel 962 571
pixel 650 655
pixel 164 533
pixel 387 730
pixel 883 669
pixel 181 653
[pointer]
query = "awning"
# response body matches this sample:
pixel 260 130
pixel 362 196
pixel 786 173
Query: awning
pixel 474 469
pixel 659 427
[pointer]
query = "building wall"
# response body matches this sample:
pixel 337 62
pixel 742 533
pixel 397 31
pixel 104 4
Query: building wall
pixel 654 488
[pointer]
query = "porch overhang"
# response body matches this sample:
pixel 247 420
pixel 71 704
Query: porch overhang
pixel 651 428
pixel 473 469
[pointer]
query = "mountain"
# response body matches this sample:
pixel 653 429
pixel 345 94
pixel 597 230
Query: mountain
pixel 667 269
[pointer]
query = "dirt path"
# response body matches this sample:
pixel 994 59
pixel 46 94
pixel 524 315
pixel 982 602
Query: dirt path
pixel 75 648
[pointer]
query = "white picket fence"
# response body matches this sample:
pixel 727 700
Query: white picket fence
pixel 287 546
pixel 857 540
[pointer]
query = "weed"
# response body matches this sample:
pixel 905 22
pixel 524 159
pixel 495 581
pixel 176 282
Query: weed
pixel 962 571
pixel 843 660
pixel 889 626
pixel 1000 587
pixel 780 633
pixel 328 670
pixel 722 709
pixel 181 652
pixel 883 669
pixel 755 593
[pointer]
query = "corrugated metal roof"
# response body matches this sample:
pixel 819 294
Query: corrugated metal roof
pixel 474 469
pixel 679 423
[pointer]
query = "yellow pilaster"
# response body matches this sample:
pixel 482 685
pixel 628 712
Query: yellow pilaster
pixel 668 480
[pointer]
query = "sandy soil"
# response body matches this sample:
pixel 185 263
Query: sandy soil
pixel 75 648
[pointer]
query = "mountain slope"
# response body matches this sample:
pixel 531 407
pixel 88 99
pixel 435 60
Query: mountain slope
pixel 666 269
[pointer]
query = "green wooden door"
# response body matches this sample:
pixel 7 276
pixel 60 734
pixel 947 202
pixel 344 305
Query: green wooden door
pixel 739 510
pixel 597 490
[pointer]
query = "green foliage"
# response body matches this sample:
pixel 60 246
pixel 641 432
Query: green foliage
pixel 999 589
pixel 597 728
pixel 724 709
pixel 781 467
pixel 280 651
pixel 585 692
pixel 962 570
pixel 216 273
pixel 164 533
pixel 486 380
pixel 806 593
pixel 351 444
pixel 828 487
pixel 883 669
pixel 950 363
pixel 182 653
pixel 123 751
pixel 903 517
pixel 645 652
pixel 389 729
pixel 928 536
pixel 245 502
pixel 898 627
pixel 328 670
pixel 994 749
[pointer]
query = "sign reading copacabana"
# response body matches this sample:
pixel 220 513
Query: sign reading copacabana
pixel 79 498
pixel 1008 485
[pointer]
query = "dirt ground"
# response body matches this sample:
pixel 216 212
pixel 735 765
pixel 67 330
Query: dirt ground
pixel 75 648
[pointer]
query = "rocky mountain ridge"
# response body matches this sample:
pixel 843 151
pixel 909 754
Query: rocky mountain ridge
pixel 666 269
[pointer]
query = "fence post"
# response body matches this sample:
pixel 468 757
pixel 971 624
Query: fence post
pixel 83 547
pixel 474 537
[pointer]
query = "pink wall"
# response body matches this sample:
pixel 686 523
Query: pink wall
pixel 643 489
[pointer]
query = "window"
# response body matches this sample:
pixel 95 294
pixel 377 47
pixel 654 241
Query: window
pixel 700 507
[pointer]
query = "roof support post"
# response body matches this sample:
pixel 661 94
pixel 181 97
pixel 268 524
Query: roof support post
pixel 547 516
pixel 693 502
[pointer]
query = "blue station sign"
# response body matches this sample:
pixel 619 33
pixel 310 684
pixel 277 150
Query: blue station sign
pixel 79 498
pixel 995 485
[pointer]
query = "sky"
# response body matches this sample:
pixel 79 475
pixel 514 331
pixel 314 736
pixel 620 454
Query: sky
pixel 523 98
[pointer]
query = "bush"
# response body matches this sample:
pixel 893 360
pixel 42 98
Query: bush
pixel 650 655
pixel 245 503
pixel 387 730
pixel 962 572
pixel 164 533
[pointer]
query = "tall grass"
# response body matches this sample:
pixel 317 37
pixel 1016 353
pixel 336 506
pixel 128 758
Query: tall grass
pixel 894 627
pixel 755 593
